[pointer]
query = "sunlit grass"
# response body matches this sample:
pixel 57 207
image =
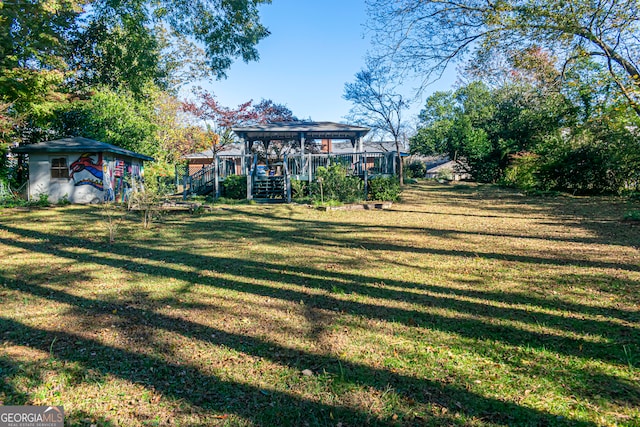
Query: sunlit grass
pixel 462 305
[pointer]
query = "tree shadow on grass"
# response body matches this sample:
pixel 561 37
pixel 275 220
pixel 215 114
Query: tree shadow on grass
pixel 247 272
pixel 208 393
pixel 341 234
pixel 599 215
pixel 472 328
pixel 9 395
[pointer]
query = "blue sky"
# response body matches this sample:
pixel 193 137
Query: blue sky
pixel 315 47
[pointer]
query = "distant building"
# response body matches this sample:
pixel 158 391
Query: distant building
pixel 450 170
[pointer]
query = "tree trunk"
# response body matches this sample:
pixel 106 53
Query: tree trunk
pixel 400 165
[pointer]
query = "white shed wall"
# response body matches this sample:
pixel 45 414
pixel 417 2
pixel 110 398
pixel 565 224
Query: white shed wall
pixel 40 181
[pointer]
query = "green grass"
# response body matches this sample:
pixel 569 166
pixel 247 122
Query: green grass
pixel 461 305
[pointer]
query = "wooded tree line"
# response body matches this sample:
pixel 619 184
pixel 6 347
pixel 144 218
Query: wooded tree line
pixel 110 69
pixel 549 93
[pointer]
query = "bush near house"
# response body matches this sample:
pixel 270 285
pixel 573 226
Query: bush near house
pixel 299 189
pixel 334 183
pixel 416 169
pixel 235 187
pixel 384 188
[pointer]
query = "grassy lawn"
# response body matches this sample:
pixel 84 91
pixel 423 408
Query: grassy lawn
pixel 462 305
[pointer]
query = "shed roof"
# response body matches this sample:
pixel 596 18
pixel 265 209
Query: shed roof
pixel 78 144
pixel 294 130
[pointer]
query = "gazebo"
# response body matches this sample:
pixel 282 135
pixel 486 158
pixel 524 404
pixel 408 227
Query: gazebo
pixel 301 132
pixel 272 181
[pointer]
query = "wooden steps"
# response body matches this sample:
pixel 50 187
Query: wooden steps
pixel 269 189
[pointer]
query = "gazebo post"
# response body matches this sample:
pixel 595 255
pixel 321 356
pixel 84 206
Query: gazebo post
pixel 216 175
pixel 302 142
pixel 243 159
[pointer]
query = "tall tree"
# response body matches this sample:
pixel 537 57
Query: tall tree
pixel 119 43
pixel 378 104
pixel 426 36
pixel 34 38
pixel 119 55
pixel 486 126
pixel 219 119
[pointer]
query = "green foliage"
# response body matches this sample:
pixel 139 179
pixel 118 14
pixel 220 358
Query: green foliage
pixel 427 35
pixel 521 173
pixel 487 126
pixel 586 169
pixel 334 183
pixel 117 53
pixel 43 200
pixel 444 175
pixel 416 169
pixel 64 200
pixel 384 189
pixel 327 203
pixel 299 189
pixel 633 215
pixel 118 118
pixel 105 53
pixel 4 166
pixel 8 198
pixel 235 187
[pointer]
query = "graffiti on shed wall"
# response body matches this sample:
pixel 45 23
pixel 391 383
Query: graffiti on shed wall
pixel 87 170
pixel 114 177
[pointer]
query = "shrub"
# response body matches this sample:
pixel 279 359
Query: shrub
pixel 416 169
pixel 384 189
pixel 521 173
pixel 586 169
pixel 299 189
pixel 445 175
pixel 43 200
pixel 235 187
pixel 64 200
pixel 147 201
pixel 633 215
pixel 12 201
pixel 334 183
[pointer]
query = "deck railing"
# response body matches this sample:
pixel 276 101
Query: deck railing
pixel 296 166
pixel 201 179
pixel 378 163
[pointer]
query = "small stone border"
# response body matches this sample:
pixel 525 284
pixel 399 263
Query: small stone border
pixel 184 207
pixel 357 206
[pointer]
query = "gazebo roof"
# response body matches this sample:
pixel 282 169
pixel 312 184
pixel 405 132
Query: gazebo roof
pixel 295 130
pixel 78 144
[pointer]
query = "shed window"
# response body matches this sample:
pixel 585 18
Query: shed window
pixel 59 168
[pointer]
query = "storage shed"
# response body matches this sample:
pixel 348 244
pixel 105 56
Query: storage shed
pixel 82 170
